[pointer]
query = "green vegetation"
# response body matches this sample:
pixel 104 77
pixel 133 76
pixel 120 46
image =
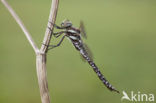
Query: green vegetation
pixel 121 35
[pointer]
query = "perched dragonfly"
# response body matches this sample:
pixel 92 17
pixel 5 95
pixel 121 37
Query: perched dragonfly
pixel 74 35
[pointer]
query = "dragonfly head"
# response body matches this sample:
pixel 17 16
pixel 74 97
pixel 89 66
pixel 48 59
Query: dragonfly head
pixel 66 23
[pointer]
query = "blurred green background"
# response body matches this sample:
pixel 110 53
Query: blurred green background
pixel 121 35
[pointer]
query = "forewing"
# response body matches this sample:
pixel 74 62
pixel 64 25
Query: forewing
pixel 89 53
pixel 82 58
pixel 82 30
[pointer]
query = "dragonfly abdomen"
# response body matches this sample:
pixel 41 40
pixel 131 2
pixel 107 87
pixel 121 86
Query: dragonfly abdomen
pixel 97 71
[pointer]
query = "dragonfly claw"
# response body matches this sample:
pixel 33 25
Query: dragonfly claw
pixel 51 23
pixel 45 44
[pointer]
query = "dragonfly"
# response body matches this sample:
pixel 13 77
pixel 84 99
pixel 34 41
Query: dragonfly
pixel 75 36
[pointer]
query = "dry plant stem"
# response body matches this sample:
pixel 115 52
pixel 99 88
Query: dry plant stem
pixel 52 18
pixel 41 57
pixel 42 77
pixel 17 19
pixel 40 54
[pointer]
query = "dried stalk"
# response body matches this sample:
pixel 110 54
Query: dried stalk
pixel 52 18
pixel 19 22
pixel 40 54
pixel 42 77
pixel 41 57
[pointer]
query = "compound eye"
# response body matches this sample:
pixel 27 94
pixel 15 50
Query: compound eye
pixel 68 24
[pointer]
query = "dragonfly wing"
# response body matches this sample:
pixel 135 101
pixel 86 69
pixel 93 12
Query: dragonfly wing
pixel 89 53
pixel 82 58
pixel 82 30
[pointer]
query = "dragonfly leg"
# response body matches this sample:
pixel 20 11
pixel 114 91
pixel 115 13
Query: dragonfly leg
pixel 57 34
pixel 53 46
pixel 56 26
